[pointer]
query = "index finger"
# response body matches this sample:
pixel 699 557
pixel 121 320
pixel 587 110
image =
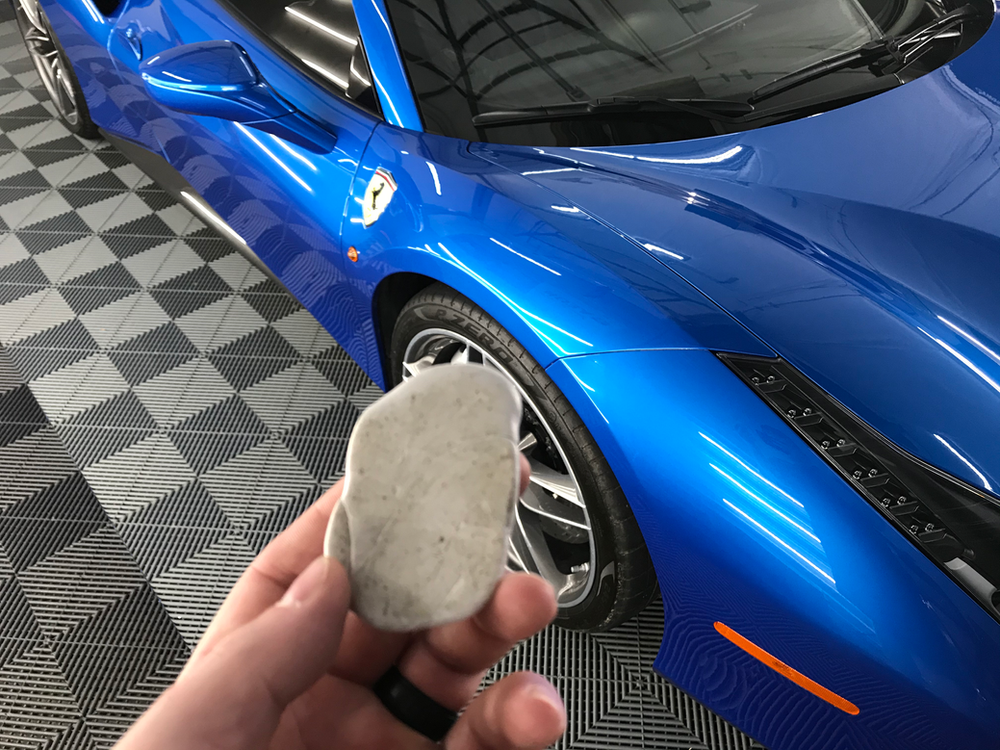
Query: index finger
pixel 267 578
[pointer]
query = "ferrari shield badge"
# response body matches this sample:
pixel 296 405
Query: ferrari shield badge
pixel 378 194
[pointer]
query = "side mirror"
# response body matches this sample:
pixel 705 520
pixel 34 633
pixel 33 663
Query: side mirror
pixel 211 78
pixel 217 79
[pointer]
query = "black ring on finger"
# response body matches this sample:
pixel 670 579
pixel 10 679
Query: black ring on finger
pixel 413 707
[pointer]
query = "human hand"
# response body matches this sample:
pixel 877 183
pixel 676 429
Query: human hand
pixel 284 664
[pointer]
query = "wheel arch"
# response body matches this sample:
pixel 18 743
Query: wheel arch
pixel 388 301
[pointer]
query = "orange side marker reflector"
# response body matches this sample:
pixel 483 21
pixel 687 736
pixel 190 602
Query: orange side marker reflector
pixel 352 253
pixel 783 669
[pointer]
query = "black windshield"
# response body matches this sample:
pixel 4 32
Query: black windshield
pixel 469 57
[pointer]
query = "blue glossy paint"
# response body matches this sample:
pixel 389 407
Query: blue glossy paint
pixel 862 245
pixel 751 528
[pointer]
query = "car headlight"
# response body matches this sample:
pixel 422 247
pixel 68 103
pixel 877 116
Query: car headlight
pixel 956 525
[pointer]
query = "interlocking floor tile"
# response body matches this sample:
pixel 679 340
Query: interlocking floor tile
pixel 183 391
pixel 220 323
pixel 162 262
pixel 138 476
pixel 52 349
pixel 78 387
pixel 124 319
pixel 74 259
pixel 30 465
pixel 32 314
pixel 166 410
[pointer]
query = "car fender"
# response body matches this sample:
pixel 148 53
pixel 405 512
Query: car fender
pixel 748 527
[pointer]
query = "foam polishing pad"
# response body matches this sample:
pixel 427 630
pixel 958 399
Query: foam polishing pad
pixel 432 477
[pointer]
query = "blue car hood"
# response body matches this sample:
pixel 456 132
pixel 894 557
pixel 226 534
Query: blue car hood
pixel 862 245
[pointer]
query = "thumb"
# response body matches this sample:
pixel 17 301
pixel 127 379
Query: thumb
pixel 234 696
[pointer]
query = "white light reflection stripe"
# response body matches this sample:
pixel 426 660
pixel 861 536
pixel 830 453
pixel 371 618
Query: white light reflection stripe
pixel 513 304
pixel 322 27
pixel 965 461
pixel 434 174
pixel 768 505
pixel 530 260
pixel 658 249
pixel 274 157
pixel 297 155
pixel 963 359
pixel 972 340
pixel 326 73
pixel 714 159
pixel 783 543
pixel 548 171
pixel 747 467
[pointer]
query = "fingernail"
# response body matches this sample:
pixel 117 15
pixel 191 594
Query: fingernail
pixel 550 698
pixel 546 693
pixel 308 582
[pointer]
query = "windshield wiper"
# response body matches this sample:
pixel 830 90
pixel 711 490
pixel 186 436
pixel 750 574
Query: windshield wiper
pixel 884 56
pixel 720 110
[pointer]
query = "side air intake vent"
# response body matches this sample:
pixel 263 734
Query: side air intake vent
pixel 954 524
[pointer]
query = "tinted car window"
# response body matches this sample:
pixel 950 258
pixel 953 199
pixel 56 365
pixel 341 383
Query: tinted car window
pixel 321 35
pixel 468 57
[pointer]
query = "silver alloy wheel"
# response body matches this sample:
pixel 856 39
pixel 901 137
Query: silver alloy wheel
pixel 552 534
pixel 47 58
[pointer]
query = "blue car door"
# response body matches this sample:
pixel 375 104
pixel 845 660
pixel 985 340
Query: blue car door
pixel 286 201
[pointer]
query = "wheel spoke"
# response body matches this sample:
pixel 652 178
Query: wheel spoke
pixel 519 552
pixel 561 485
pixel 36 37
pixel 528 442
pixel 514 559
pixel 461 357
pixel 64 83
pixel 44 68
pixel 531 545
pixel 538 501
pixel 51 66
pixel 31 12
pixel 415 368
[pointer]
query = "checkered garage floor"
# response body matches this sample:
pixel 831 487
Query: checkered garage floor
pixel 165 410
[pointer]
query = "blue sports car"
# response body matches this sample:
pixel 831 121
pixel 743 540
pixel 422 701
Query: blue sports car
pixel 741 258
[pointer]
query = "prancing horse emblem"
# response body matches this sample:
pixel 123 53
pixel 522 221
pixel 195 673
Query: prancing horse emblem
pixel 377 195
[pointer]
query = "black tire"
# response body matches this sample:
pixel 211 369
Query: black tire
pixel 81 125
pixel 625 580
